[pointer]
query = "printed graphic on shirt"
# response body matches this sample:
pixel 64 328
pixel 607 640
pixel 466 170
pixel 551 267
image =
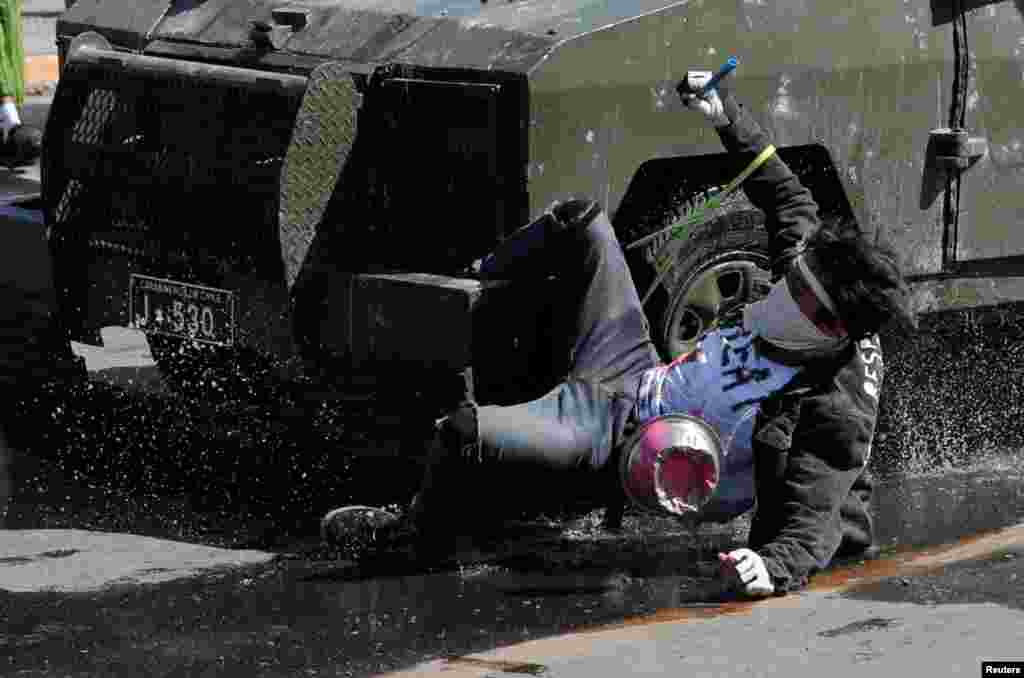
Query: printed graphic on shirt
pixel 651 396
pixel 723 382
pixel 737 371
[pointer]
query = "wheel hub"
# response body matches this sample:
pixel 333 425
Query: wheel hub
pixel 713 293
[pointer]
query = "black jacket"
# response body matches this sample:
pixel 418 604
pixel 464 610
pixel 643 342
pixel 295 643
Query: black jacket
pixel 812 441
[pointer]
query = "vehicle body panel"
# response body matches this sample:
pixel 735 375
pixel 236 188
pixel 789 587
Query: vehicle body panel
pixel 528 102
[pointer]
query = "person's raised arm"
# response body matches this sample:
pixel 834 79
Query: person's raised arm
pixel 791 213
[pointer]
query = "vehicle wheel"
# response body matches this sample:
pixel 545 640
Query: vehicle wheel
pixel 722 266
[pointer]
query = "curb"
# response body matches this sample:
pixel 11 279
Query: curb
pixel 91 561
pixel 536 655
pixel 41 73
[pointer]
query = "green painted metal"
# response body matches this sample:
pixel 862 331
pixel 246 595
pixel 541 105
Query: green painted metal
pixel 869 80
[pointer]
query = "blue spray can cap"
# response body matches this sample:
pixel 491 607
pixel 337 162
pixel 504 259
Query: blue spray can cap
pixel 728 67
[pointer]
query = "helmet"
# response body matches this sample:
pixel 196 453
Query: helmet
pixel 671 465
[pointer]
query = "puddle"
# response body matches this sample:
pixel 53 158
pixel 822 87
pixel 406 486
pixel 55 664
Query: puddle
pixel 500 666
pixel 588 580
pixel 21 560
pixel 212 473
pixel 872 624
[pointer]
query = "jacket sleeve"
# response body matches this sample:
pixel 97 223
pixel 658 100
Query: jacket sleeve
pixel 804 483
pixel 791 213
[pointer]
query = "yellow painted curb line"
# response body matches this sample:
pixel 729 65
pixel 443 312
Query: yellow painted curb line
pixel 525 657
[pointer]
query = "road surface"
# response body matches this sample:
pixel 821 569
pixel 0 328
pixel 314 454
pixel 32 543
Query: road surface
pixel 146 538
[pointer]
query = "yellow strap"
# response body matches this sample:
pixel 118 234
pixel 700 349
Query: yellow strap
pixel 761 158
pixel 695 219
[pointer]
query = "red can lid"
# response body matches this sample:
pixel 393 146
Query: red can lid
pixel 686 478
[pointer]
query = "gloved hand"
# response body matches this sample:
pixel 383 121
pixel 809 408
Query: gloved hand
pixel 745 570
pixel 691 93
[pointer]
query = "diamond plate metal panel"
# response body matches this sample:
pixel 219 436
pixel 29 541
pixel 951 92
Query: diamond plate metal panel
pixel 325 129
pixel 177 169
pixel 186 156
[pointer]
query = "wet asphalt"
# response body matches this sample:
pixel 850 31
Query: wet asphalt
pixel 128 453
pixel 310 613
pixel 247 465
pixel 255 468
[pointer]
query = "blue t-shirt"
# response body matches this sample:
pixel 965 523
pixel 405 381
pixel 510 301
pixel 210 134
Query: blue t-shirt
pixel 722 381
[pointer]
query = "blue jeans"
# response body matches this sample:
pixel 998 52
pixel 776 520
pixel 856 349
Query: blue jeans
pixel 577 425
pixel 579 422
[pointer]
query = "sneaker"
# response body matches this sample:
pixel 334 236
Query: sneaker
pixel 359 525
pixel 22 147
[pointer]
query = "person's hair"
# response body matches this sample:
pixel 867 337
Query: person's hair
pixel 863 278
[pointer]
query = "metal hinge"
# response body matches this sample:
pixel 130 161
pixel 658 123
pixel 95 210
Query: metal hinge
pixel 287 21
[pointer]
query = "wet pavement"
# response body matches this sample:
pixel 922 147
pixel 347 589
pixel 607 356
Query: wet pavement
pixel 126 453
pixel 125 458
pixel 311 613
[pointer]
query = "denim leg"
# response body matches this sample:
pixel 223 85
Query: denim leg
pixel 576 425
pixel 611 342
pixel 569 428
pixel 531 252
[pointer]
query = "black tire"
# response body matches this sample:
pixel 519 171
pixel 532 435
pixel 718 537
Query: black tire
pixel 723 265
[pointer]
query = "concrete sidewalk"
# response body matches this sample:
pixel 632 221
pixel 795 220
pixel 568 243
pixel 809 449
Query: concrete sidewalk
pixel 195 610
pixel 941 612
pixel 82 560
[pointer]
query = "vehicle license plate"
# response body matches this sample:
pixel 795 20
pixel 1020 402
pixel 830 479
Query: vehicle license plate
pixel 177 309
